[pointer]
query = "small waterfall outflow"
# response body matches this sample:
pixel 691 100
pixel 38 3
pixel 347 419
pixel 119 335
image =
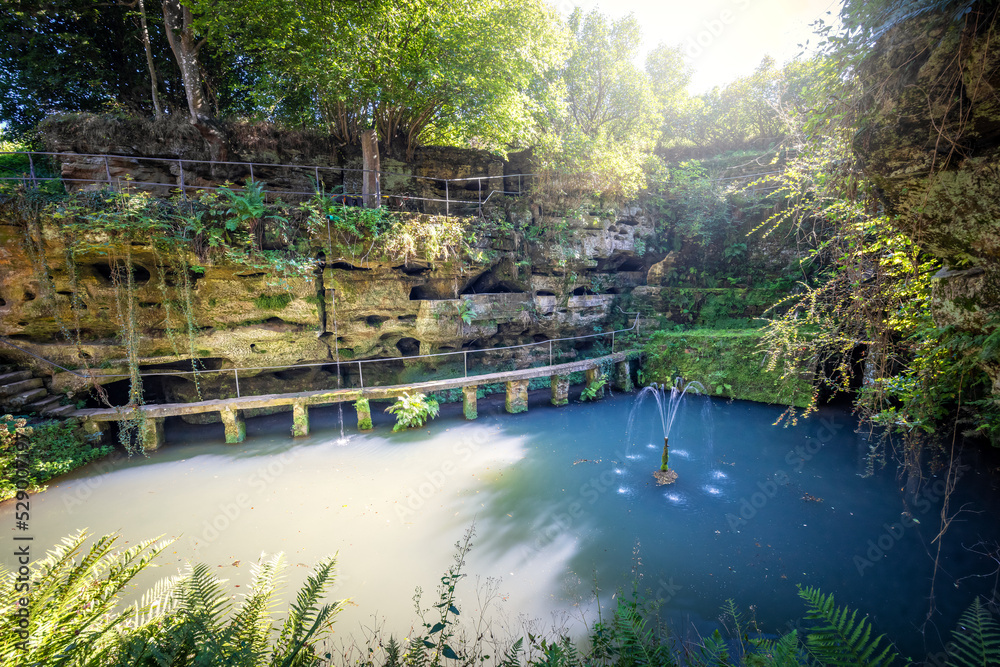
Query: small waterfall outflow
pixel 336 348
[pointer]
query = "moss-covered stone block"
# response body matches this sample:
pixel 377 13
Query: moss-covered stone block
pixel 151 434
pixel 560 390
pixel 623 376
pixel 517 396
pixel 469 403
pixel 236 427
pixel 364 414
pixel 300 420
pixel 728 363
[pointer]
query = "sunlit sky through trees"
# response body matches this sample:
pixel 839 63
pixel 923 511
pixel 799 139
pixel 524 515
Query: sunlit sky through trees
pixel 722 39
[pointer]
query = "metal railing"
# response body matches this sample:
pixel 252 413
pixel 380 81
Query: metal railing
pixel 549 355
pixel 318 175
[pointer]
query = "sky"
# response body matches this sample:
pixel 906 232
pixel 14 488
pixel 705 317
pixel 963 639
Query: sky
pixel 722 39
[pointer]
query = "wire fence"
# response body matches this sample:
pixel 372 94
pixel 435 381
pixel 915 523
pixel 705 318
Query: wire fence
pixel 403 190
pixel 348 374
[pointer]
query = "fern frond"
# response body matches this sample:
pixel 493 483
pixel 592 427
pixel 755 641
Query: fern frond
pixel 512 657
pixel 785 651
pixel 841 639
pixel 976 640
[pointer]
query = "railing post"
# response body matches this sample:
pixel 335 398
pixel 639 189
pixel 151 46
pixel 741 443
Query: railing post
pixel 550 353
pixel 465 356
pixel 360 376
pixel 251 171
pixel 447 200
pixel 480 197
pixel 107 170
pixel 317 180
pixel 31 165
pixel 236 372
pixel 612 342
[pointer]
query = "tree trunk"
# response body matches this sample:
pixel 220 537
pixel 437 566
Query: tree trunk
pixel 149 59
pixel 370 189
pixel 180 34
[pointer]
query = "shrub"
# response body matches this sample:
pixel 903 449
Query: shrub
pixel 412 411
pixel 54 448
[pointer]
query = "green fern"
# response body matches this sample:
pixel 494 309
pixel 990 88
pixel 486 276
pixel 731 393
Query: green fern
pixel 782 652
pixel 976 640
pixel 512 658
pixel 70 619
pixel 841 639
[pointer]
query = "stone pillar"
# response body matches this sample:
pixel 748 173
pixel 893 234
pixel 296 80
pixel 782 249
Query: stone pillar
pixel 364 414
pixel 151 434
pixel 300 419
pixel 236 428
pixel 623 376
pixel 469 407
pixel 517 396
pixel 560 390
pixel 592 376
pixel 96 431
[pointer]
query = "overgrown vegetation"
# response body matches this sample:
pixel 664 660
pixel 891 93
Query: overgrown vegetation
pixel 49 448
pixel 75 617
pixel 413 411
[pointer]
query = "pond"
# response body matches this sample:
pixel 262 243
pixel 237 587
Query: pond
pixel 563 503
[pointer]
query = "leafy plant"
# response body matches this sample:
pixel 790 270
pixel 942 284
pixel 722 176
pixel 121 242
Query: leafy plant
pixel 840 637
pixel 976 640
pixel 593 390
pixel 466 310
pixel 412 411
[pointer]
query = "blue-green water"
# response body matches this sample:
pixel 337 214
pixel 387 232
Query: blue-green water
pixel 562 500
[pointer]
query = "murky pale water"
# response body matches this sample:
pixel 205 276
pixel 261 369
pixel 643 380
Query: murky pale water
pixel 561 498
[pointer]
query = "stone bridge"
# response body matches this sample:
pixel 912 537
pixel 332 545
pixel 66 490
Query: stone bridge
pixel 96 420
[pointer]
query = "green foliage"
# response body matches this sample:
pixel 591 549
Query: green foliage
pixel 75 617
pixel 424 72
pixel 272 301
pixel 730 359
pixel 840 638
pixel 976 640
pixel 412 411
pixel 53 448
pixel 466 310
pixel 592 390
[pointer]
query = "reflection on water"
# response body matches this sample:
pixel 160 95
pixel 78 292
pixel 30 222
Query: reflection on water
pixel 558 496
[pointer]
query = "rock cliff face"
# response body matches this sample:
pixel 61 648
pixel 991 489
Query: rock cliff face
pixel 932 146
pixel 531 278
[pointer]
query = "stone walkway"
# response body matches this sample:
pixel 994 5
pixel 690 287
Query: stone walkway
pixel 230 409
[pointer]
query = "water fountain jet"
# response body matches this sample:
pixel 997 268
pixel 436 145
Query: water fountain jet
pixel 667 407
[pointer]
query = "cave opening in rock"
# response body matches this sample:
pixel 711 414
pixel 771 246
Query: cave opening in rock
pixel 408 347
pixel 117 273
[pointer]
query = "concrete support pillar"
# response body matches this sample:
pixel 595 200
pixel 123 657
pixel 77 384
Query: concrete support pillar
pixel 96 431
pixel 364 414
pixel 517 396
pixel 300 419
pixel 623 376
pixel 236 428
pixel 469 407
pixel 151 434
pixel 560 390
pixel 593 374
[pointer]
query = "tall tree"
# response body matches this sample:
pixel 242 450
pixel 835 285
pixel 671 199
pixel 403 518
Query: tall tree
pixel 416 71
pixel 180 31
